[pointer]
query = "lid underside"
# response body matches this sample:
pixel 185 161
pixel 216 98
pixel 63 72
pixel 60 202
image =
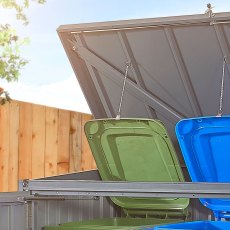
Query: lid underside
pixel 176 66
pixel 136 150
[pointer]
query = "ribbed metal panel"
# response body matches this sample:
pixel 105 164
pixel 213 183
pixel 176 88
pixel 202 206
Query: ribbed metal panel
pixel 48 213
pixel 37 214
pixel 13 216
pixel 176 66
pixel 199 212
pixel 51 212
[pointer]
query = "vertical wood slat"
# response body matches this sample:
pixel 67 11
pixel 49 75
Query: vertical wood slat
pixel 75 141
pixel 51 149
pixel 25 141
pixel 38 142
pixel 4 147
pixel 13 146
pixel 63 142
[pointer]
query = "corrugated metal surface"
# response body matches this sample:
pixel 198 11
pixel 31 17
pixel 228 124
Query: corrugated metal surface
pixel 53 212
pixel 176 65
pixel 34 215
pixel 50 212
pixel 13 217
pixel 37 214
pixel 15 214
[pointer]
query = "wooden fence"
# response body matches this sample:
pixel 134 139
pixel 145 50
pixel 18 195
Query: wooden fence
pixel 38 141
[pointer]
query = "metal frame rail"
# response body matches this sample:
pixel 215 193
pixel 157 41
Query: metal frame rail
pixel 57 188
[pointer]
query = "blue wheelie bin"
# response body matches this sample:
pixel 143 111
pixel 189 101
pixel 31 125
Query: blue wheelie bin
pixel 205 145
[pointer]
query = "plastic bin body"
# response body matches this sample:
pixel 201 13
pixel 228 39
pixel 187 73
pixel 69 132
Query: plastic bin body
pixel 137 150
pixel 134 150
pixel 205 145
pixel 112 223
pixel 204 142
pixel 198 225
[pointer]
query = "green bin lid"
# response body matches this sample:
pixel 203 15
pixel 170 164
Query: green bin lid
pixel 136 150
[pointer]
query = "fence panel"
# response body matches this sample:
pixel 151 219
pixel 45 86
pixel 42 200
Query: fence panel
pixel 38 141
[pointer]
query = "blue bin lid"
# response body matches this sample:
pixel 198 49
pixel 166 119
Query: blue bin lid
pixel 205 145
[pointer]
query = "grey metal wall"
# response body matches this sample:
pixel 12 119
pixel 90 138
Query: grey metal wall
pixel 48 213
pixel 51 212
pixel 13 216
pixel 37 214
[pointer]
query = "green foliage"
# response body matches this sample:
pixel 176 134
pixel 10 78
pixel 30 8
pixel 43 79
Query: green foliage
pixel 19 7
pixel 4 96
pixel 11 62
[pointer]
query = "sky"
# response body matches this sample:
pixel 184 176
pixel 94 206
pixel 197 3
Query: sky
pixel 48 79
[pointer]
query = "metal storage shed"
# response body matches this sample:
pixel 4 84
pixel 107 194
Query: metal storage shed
pixel 175 72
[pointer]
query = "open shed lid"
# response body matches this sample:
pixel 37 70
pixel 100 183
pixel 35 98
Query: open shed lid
pixel 204 142
pixel 176 65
